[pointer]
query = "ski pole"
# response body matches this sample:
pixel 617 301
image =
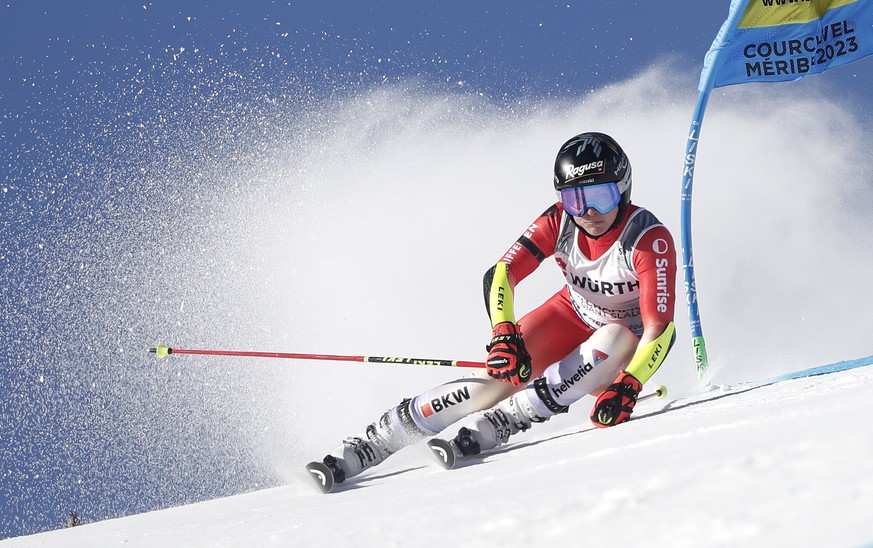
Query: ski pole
pixel 659 393
pixel 162 351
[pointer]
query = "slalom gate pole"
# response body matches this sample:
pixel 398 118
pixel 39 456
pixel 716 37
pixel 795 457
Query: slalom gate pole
pixel 163 351
pixel 698 342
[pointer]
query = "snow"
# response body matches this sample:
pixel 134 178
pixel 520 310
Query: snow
pixel 784 464
pixel 252 263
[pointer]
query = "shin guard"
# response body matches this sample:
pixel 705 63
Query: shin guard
pixel 587 371
pixel 439 407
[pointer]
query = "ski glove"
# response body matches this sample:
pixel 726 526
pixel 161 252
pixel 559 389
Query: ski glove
pixel 508 359
pixel 616 403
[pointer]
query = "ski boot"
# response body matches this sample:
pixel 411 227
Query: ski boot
pixel 392 432
pixel 486 430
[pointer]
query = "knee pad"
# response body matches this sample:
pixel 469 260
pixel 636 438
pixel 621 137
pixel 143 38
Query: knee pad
pixel 609 349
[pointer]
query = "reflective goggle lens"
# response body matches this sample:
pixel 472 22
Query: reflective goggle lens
pixel 603 197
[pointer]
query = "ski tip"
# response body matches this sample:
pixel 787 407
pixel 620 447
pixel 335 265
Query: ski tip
pixel 443 452
pixel 661 392
pixel 161 350
pixel 322 475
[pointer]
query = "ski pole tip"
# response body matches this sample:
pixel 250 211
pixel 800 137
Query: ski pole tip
pixel 661 391
pixel 161 350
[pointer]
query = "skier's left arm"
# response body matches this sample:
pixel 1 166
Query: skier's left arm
pixel 655 262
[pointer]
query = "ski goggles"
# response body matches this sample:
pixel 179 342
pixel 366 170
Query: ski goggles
pixel 603 197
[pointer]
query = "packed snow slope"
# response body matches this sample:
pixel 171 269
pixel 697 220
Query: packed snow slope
pixel 785 464
pixel 363 225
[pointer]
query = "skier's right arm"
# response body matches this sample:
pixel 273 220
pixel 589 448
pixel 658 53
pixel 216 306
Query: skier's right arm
pixel 508 359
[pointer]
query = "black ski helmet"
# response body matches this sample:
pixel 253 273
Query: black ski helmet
pixel 591 159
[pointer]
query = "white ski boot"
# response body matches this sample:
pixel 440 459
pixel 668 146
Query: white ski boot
pixel 489 429
pixel 392 432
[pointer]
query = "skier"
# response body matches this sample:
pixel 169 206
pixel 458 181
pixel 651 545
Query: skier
pixel 604 333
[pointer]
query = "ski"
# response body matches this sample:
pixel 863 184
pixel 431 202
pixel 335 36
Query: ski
pixel 322 475
pixel 444 452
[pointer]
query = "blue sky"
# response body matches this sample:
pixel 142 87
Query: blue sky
pixel 118 122
pixel 57 57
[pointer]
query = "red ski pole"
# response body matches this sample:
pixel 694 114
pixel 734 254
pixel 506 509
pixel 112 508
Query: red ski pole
pixel 162 351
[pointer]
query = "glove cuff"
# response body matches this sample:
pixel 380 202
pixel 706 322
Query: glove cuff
pixel 505 329
pixel 505 332
pixel 629 380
